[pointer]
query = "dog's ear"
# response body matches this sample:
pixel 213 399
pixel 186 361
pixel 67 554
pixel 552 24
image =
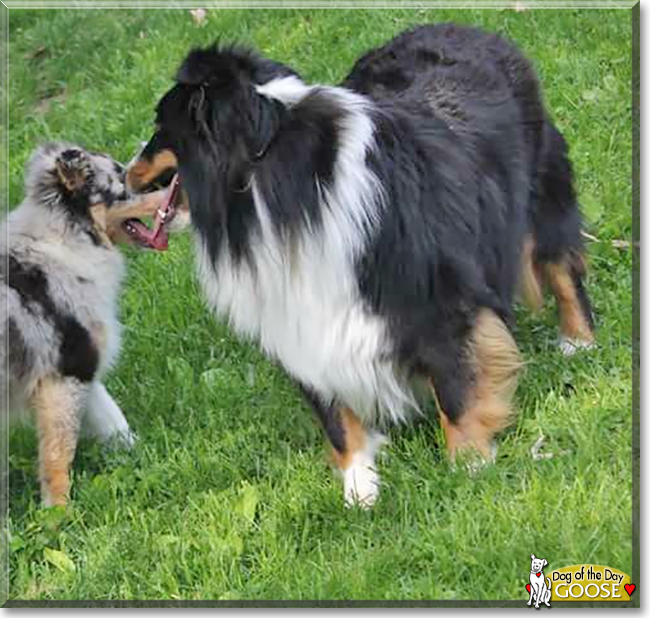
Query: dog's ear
pixel 199 110
pixel 545 562
pixel 198 67
pixel 73 169
pixel 532 556
pixel 266 117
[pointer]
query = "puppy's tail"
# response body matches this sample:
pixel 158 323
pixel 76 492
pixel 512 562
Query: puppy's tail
pixel 548 585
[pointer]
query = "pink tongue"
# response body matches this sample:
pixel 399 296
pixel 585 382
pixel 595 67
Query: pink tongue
pixel 146 236
pixel 160 242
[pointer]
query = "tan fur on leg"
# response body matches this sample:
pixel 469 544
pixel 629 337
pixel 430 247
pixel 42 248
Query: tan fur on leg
pixel 355 439
pixel 496 363
pixel 530 285
pixel 58 403
pixel 573 323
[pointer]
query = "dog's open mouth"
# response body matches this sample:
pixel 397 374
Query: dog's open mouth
pixel 157 237
pixel 144 236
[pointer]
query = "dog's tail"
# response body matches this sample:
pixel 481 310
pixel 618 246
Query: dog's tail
pixel 548 585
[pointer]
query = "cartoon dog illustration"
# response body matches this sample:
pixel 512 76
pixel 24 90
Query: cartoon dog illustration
pixel 539 588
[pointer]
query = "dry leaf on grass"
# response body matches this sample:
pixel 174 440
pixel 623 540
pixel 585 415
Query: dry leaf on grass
pixel 36 54
pixel 44 104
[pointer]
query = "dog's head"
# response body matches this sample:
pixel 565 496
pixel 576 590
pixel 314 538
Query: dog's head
pixel 210 126
pixel 88 188
pixel 213 105
pixel 537 564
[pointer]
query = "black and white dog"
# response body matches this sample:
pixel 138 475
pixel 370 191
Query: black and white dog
pixel 60 275
pixel 369 243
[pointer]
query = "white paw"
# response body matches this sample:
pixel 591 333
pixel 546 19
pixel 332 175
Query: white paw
pixel 360 486
pixel 360 479
pixel 121 438
pixel 125 438
pixel 569 346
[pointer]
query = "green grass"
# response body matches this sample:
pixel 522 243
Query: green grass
pixel 227 494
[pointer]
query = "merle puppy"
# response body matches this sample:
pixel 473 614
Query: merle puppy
pixel 60 275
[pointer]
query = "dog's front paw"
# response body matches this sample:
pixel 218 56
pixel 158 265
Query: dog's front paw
pixel 360 486
pixel 124 438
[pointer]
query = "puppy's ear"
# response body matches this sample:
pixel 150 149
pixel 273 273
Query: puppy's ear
pixel 532 556
pixel 73 169
pixel 545 562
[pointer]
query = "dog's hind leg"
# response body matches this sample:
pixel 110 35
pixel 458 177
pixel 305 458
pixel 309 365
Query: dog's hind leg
pixel 557 246
pixel 530 277
pixel 354 449
pixel 59 404
pixel 104 419
pixel 474 394
pixel 574 308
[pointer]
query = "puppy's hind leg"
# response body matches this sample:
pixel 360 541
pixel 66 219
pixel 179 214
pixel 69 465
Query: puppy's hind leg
pixel 104 419
pixel 58 403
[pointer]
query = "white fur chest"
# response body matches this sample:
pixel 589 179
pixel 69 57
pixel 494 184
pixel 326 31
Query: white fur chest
pixel 301 299
pixel 302 304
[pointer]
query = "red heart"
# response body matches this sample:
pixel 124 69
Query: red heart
pixel 629 588
pixel 539 574
pixel 528 588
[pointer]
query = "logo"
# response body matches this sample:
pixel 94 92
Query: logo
pixel 539 587
pixel 581 582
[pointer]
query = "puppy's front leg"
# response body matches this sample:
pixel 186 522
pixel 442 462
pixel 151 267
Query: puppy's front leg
pixel 58 403
pixel 104 419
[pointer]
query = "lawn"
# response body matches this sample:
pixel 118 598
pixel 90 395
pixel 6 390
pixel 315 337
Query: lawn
pixel 227 494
